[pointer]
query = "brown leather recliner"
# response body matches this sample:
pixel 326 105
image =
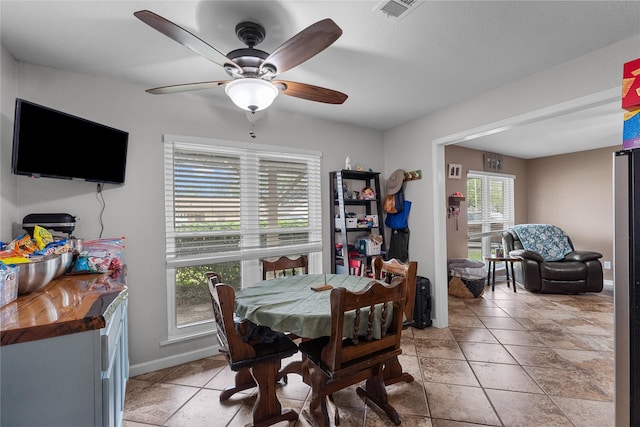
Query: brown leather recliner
pixel 577 272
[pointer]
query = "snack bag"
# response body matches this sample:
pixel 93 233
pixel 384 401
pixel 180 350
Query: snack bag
pixel 42 236
pixel 99 256
pixel 55 247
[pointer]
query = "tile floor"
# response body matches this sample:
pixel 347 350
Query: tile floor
pixel 506 359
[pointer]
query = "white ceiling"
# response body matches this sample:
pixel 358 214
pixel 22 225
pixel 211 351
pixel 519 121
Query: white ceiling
pixel 393 70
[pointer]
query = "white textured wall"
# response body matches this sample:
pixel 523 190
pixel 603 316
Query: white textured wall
pixel 136 210
pixel 8 189
pixel 410 146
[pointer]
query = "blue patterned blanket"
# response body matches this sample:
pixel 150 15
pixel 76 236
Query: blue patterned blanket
pixel 549 241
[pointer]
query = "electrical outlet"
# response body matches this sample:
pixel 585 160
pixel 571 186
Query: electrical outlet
pixel 607 265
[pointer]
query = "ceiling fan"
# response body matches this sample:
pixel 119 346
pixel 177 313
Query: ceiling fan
pixel 252 86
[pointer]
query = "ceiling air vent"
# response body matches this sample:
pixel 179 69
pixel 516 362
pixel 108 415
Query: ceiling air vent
pixel 397 8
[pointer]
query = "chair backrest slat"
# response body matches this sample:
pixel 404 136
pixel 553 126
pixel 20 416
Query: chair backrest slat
pixel 223 299
pixel 285 266
pixel 378 337
pixel 387 270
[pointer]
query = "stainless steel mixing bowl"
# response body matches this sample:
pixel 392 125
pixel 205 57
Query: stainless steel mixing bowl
pixel 36 274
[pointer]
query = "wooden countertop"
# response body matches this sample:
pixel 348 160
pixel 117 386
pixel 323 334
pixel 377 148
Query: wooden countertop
pixel 67 305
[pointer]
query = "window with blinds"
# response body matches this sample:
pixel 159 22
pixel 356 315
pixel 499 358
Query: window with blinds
pixel 227 206
pixel 490 209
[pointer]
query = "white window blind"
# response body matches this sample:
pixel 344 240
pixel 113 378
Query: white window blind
pixel 490 207
pixel 226 203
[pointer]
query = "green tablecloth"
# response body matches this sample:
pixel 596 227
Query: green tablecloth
pixel 288 304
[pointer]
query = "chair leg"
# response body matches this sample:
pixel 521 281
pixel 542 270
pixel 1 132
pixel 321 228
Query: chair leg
pixel 291 368
pixel 318 414
pixel 393 373
pixel 267 409
pixel 336 416
pixel 243 381
pixel 376 392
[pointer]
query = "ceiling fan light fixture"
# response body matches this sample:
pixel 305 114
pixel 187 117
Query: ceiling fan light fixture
pixel 251 94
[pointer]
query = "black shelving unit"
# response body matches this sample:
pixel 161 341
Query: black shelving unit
pixel 342 185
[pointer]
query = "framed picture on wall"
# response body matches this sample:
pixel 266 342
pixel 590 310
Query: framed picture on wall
pixel 492 162
pixel 455 171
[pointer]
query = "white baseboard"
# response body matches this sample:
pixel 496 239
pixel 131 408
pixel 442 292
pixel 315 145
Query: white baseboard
pixel 167 362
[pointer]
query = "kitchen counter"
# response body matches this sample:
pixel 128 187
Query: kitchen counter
pixel 66 348
pixel 67 305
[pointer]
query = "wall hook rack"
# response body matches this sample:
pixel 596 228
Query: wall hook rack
pixel 413 175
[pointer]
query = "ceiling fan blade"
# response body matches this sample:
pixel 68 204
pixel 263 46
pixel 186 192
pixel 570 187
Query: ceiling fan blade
pixel 185 38
pixel 304 45
pixel 163 90
pixel 310 92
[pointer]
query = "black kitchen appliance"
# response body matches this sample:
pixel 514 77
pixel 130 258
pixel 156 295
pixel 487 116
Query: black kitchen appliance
pixel 60 222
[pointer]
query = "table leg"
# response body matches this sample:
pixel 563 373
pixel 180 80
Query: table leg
pixel 513 276
pixel 489 274
pixel 506 268
pixel 242 381
pixel 299 367
pixel 267 409
pixel 493 281
pixel 393 373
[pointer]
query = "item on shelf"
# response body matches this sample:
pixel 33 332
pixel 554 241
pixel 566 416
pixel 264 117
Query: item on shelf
pixel 349 222
pixel 631 130
pixel 8 284
pixel 631 85
pixel 351 249
pixel 370 245
pixel 368 221
pixel 367 193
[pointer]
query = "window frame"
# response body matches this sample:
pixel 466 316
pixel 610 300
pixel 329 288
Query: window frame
pixel 508 207
pixel 249 200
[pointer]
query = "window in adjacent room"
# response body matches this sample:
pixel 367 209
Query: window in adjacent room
pixel 490 209
pixel 228 205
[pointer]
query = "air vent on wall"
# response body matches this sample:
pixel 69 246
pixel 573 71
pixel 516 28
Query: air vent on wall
pixel 397 8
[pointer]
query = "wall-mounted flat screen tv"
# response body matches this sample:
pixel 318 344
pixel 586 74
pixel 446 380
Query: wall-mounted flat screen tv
pixel 50 143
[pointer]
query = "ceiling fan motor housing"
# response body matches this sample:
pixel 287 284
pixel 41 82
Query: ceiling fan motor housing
pixel 250 33
pixel 249 59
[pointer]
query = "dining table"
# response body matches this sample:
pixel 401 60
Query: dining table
pixel 300 305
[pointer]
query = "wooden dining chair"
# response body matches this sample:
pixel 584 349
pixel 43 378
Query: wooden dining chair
pixel 261 361
pixel 337 362
pixel 285 266
pixel 214 277
pixel 388 271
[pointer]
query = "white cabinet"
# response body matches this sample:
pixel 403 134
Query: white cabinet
pixel 73 380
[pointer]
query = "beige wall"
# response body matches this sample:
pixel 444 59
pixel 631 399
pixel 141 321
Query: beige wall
pixel 473 160
pixel 573 191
